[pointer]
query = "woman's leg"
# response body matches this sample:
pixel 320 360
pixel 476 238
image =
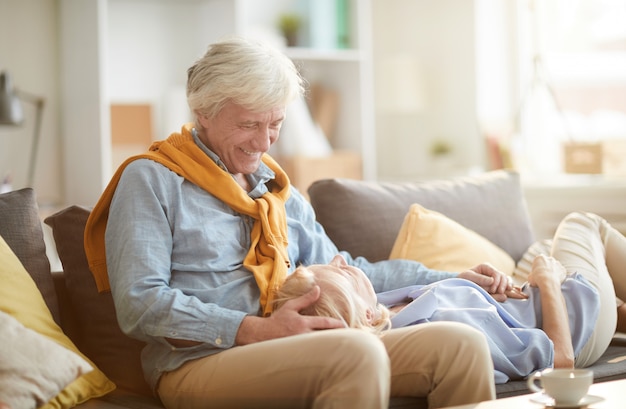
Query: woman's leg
pixel 587 244
pixel 615 245
pixel 447 361
pixel 343 368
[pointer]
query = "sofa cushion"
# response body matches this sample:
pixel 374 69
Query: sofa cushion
pixel 20 298
pixel 21 228
pixel 100 336
pixel 33 369
pixel 524 265
pixel 364 217
pixel 440 243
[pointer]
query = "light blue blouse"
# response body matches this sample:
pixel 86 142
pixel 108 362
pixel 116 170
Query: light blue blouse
pixel 518 347
pixel 175 261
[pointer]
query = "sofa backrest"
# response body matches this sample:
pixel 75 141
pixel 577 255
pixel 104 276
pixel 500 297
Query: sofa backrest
pixel 99 335
pixel 364 217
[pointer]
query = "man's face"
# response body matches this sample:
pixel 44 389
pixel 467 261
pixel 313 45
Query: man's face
pixel 240 137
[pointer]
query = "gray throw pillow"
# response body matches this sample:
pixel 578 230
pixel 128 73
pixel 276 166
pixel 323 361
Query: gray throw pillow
pixel 21 228
pixel 364 217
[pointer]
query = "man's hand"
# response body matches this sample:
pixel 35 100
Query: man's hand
pixel 285 321
pixel 493 281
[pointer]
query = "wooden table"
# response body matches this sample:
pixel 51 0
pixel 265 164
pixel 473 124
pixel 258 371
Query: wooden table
pixel 614 393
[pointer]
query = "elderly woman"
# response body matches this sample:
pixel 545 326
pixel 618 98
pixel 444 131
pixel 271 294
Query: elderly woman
pixel 194 237
pixel 565 318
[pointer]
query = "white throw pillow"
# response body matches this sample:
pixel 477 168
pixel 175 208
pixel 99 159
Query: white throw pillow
pixel 33 368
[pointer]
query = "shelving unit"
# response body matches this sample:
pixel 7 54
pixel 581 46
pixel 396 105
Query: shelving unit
pixel 349 70
pixel 143 59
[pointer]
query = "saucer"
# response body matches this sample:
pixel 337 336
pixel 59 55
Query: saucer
pixel 548 402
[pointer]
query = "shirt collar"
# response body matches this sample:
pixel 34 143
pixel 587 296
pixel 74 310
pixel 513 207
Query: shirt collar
pixel 258 179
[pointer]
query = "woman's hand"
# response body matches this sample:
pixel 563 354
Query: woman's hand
pixel 545 270
pixel 547 273
pixel 285 321
pixel 493 281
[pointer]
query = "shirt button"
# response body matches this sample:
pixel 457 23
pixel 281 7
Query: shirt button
pixel 218 341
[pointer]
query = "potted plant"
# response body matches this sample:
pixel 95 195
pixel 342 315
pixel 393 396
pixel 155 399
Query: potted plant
pixel 441 152
pixel 289 24
pixel 440 147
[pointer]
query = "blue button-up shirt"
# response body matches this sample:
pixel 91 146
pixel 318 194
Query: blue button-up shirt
pixel 517 344
pixel 175 261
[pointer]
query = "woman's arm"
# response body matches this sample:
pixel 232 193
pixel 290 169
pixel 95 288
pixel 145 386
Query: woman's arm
pixel 547 274
pixel 493 281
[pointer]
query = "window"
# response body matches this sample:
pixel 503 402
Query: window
pixel 573 70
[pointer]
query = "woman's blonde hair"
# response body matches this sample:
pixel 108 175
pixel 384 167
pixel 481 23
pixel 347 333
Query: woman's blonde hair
pixel 247 72
pixel 338 299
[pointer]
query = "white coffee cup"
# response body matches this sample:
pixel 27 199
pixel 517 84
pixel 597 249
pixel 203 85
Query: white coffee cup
pixel 565 386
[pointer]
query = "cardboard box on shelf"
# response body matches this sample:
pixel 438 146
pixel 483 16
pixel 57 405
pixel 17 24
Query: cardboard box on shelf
pixel 583 157
pixel 303 170
pixel 324 107
pixel 607 157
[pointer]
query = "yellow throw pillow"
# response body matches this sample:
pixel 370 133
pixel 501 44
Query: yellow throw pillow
pixel 441 243
pixel 20 298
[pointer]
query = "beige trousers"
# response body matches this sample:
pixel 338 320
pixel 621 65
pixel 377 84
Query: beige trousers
pixel 345 368
pixel 587 244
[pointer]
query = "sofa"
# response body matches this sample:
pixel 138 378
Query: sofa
pixel 362 217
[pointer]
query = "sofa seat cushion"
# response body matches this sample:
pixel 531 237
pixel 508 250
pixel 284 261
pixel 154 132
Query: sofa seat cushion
pixel 364 217
pixel 610 366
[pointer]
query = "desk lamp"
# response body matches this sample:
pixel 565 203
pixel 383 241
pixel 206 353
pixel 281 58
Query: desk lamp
pixel 11 113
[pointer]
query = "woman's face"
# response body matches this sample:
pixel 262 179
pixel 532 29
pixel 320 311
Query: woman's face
pixel 362 285
pixel 240 137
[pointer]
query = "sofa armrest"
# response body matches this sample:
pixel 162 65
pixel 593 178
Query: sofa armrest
pixel 69 323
